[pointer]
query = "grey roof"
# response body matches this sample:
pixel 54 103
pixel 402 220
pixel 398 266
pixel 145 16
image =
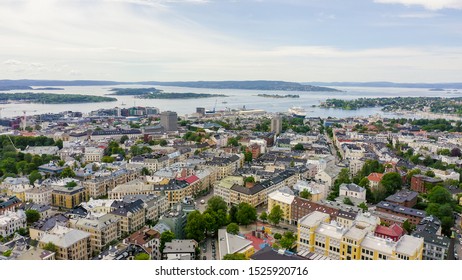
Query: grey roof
pixel 132 207
pixel 230 243
pixel 433 239
pixel 402 196
pixel 48 224
pixel 352 187
pixel 269 253
pixel 248 191
pixel 401 209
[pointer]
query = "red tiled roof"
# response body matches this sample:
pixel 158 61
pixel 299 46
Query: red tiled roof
pixel 191 179
pixel 375 177
pixel 392 231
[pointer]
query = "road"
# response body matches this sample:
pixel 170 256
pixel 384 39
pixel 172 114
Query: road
pixel 201 207
pixel 208 253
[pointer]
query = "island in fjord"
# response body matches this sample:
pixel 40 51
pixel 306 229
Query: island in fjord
pixel 154 93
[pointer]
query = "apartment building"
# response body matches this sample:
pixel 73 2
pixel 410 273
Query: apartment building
pixel 68 198
pixel 317 234
pixel 10 222
pixel 284 201
pixel 71 244
pixel 103 229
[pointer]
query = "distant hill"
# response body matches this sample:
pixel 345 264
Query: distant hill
pixel 389 84
pixel 251 85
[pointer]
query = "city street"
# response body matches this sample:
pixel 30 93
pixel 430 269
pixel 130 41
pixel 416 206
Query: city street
pixel 201 207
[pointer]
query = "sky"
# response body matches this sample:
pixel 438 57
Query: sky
pixel 189 40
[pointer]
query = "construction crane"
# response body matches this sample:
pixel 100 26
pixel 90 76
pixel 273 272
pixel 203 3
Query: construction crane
pixel 24 117
pixel 213 110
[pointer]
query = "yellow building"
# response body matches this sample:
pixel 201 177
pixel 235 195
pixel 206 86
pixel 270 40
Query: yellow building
pixel 316 234
pixel 71 244
pixel 68 198
pixel 284 200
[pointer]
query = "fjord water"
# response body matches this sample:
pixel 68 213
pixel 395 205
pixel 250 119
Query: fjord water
pixel 235 99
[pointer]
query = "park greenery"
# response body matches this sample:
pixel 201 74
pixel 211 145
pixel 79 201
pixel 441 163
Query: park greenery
pixel 14 163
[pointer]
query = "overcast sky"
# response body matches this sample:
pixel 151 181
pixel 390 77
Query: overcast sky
pixel 292 40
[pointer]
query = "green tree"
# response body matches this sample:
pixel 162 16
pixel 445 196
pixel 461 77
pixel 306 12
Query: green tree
pixel 235 256
pixel 264 216
pixel 67 173
pixel 32 216
pixel 391 182
pixel 276 214
pixel 248 156
pixel 123 139
pixel 233 214
pixel 249 179
pixel 59 143
pixel 439 195
pixel 299 147
pixel 430 173
pixel 232 228
pixel 277 236
pixel 211 225
pixel 108 159
pixel 347 201
pixel 142 257
pixel 195 226
pixel 305 194
pixel 288 240
pixel 246 213
pixel 216 203
pixel 233 142
pixel 71 184
pixel 145 171
pixel 166 236
pixel 363 206
pixel 50 246
pixel 34 176
pixel 163 143
pixel 408 227
pixel 364 182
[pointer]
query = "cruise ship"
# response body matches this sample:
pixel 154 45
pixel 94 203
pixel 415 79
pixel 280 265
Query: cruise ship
pixel 298 112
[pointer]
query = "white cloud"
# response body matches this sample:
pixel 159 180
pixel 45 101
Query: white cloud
pixel 419 15
pixel 427 4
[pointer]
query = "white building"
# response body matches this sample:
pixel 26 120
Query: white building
pixel 11 222
pixel 352 191
pixel 39 195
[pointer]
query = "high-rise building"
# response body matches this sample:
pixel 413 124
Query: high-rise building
pixel 200 111
pixel 276 124
pixel 169 121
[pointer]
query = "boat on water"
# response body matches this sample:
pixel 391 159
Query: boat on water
pixel 297 112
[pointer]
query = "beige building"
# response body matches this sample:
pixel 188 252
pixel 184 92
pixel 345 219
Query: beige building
pixel 222 188
pixel 132 216
pixel 103 229
pixel 41 195
pixel 72 244
pixel 103 183
pixel 93 154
